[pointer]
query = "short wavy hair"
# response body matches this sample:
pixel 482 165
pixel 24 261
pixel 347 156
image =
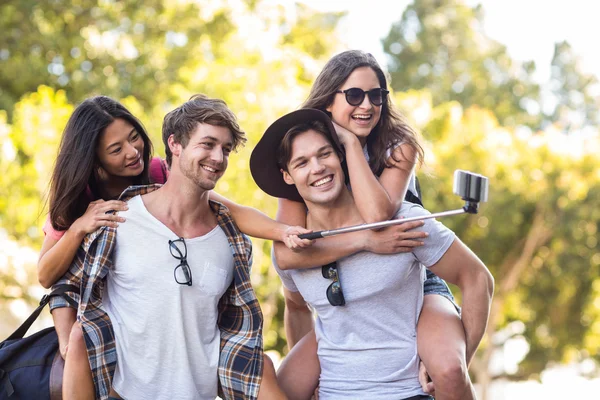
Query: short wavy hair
pixel 199 109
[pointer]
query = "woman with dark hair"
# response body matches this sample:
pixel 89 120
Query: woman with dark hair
pixel 381 152
pixel 105 149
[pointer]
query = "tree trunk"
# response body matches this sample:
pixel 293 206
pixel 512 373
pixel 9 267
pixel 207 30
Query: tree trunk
pixel 511 271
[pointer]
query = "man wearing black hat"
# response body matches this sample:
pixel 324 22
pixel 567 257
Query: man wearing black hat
pixel 367 304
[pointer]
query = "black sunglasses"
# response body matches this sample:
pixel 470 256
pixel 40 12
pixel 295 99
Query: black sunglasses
pixel 355 96
pixel 335 295
pixel 182 272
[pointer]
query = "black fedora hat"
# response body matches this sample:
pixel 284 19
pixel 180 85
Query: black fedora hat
pixel 263 161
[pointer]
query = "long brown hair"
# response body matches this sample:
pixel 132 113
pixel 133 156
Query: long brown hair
pixel 392 127
pixel 77 162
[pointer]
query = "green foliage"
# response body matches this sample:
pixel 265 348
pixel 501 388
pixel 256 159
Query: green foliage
pixel 566 270
pixel 225 53
pixel 575 92
pixel 537 234
pixel 148 51
pixel 439 45
pixel 114 48
pixel 303 32
pixel 29 149
pixel 17 272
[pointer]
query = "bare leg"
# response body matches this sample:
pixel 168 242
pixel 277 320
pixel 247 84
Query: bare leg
pixel 269 389
pixel 64 318
pixel 442 347
pixel 114 394
pixel 77 377
pixel 299 372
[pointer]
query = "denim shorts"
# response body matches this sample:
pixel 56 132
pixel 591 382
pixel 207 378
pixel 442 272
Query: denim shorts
pixel 436 285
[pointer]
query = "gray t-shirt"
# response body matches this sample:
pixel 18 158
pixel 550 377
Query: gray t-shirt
pixel 367 348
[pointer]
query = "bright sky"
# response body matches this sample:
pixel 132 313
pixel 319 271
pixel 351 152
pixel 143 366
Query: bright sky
pixel 528 28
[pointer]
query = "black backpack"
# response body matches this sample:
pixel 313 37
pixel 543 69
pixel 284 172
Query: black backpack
pixel 31 367
pixel 410 196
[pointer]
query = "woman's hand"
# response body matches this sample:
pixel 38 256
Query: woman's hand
pixel 394 239
pixel 97 215
pixel 292 241
pixel 315 395
pixel 425 380
pixel 346 137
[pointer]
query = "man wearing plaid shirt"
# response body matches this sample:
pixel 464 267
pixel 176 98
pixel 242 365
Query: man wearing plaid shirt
pixel 166 307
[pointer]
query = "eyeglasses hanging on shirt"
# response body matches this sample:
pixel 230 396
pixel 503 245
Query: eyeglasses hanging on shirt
pixel 335 295
pixel 182 272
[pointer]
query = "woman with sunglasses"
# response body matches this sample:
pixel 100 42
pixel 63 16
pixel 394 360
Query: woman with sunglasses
pixel 381 152
pixel 104 149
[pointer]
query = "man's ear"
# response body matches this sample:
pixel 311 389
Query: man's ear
pixel 174 146
pixel 287 178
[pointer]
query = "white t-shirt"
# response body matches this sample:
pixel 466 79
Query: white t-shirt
pixel 367 348
pixel 167 338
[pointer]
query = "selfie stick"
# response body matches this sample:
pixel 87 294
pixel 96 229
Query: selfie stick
pixel 471 187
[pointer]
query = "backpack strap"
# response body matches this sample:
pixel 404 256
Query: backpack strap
pixel 418 186
pixel 60 290
pixel 410 196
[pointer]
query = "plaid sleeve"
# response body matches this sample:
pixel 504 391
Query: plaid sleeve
pixel 240 322
pixel 97 327
pixel 248 248
pixel 71 277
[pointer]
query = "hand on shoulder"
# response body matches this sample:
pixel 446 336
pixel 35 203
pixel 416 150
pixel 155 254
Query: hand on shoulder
pixel 99 214
pixel 395 239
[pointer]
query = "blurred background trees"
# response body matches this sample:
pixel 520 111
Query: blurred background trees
pixel 477 110
pixel 440 45
pixel 537 234
pixel 573 102
pixel 261 59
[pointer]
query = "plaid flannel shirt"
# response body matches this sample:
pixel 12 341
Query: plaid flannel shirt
pixel 240 318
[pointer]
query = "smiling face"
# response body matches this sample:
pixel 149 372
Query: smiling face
pixel 205 157
pixel 314 168
pixel 360 119
pixel 120 150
